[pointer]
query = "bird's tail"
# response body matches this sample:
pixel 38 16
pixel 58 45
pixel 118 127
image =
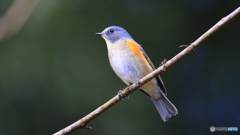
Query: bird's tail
pixel 165 108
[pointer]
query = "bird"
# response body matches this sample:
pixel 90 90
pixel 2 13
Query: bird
pixel 131 63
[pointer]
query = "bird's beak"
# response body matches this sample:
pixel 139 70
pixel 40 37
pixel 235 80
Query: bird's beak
pixel 99 33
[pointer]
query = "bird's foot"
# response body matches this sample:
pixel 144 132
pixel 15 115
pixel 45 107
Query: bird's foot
pixel 119 95
pixel 139 83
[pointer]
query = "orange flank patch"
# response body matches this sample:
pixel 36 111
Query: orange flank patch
pixel 136 50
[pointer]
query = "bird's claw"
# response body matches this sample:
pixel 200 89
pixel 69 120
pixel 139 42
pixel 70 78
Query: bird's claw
pixel 139 83
pixel 119 95
pixel 163 62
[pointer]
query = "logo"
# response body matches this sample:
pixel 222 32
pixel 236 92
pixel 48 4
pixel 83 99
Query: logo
pixel 212 128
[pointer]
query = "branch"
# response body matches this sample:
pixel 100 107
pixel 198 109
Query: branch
pixel 82 123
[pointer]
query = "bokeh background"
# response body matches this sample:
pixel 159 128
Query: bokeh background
pixel 55 70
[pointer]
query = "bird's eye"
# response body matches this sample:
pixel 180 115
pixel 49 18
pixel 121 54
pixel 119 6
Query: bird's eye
pixel 111 30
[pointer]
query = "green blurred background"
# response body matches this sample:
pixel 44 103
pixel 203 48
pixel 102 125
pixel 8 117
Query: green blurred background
pixel 55 70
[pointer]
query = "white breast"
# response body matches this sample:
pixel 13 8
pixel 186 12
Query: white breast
pixel 124 68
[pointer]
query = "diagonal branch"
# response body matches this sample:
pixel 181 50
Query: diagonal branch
pixel 82 123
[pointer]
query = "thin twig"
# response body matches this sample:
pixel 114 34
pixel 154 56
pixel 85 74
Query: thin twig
pixel 82 123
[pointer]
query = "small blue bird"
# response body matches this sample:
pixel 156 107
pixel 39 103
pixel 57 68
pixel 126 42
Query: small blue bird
pixel 131 63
